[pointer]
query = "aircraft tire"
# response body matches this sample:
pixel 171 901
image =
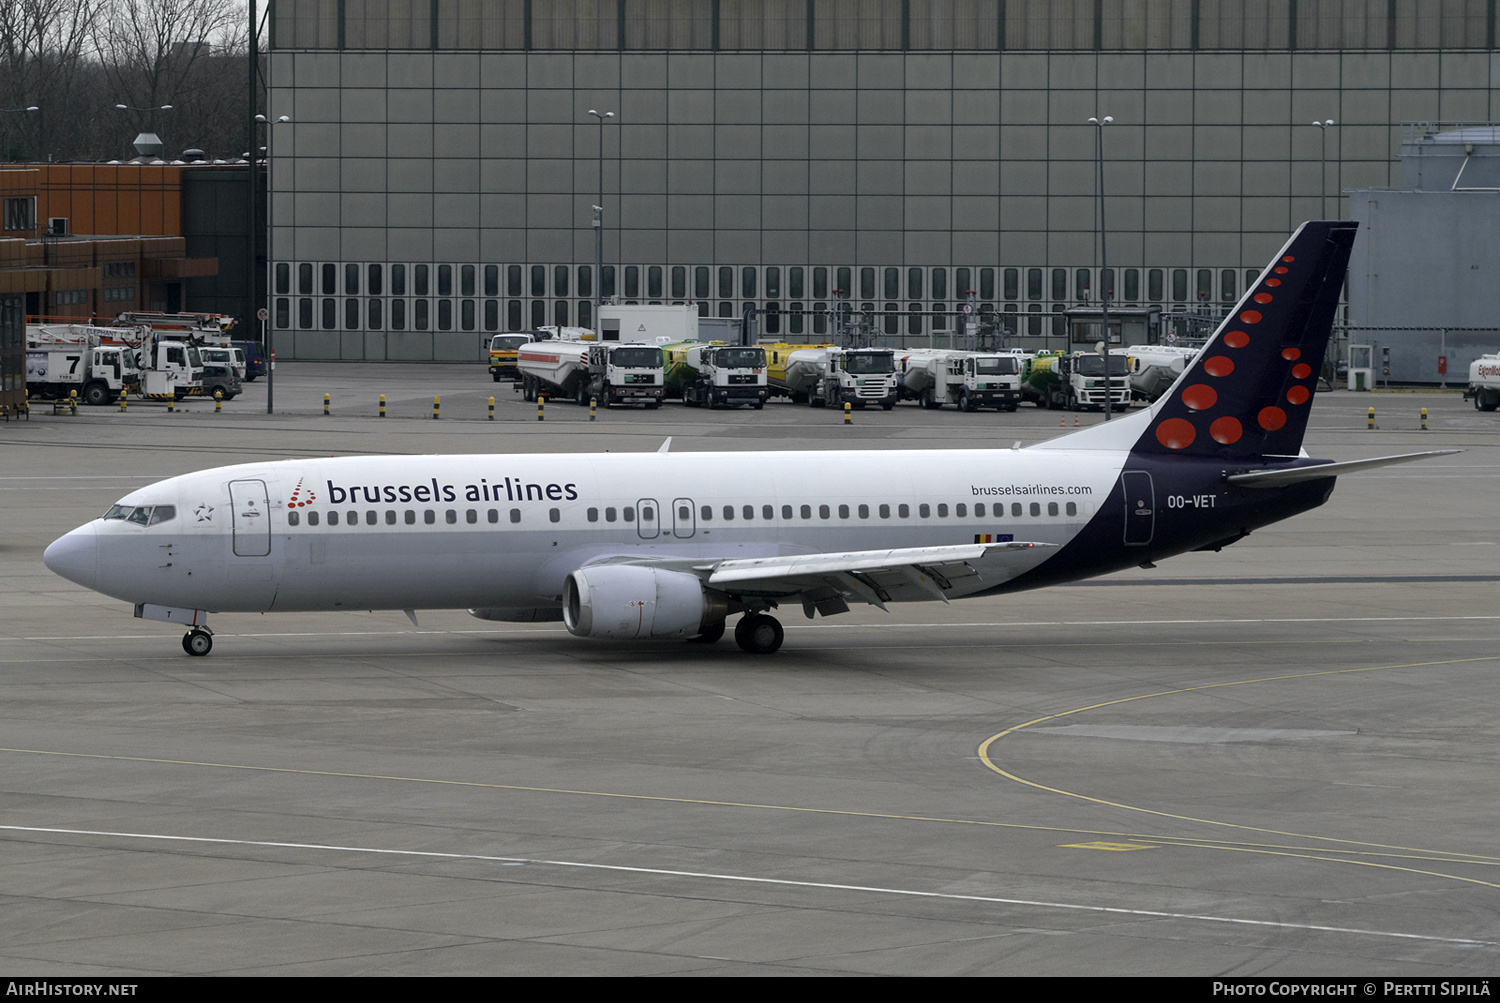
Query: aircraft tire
pixel 197 642
pixel 759 634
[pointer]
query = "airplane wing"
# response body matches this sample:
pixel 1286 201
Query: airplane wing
pixel 826 582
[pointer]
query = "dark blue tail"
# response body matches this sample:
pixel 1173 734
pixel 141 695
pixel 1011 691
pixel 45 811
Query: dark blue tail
pixel 1249 391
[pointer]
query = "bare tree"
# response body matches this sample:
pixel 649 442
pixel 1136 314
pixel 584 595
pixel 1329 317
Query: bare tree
pixel 42 43
pixel 175 52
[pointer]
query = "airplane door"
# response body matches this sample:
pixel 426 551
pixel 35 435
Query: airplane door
pixel 683 524
pixel 1140 507
pixel 250 516
pixel 647 519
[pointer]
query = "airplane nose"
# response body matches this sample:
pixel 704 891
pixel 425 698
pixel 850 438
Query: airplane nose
pixel 75 556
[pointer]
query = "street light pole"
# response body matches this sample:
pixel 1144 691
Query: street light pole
pixel 1323 128
pixel 599 223
pixel 1104 290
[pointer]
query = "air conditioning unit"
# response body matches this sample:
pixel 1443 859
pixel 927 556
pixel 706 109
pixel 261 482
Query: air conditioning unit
pixel 57 226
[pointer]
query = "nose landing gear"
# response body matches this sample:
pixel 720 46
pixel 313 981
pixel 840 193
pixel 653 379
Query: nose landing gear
pixel 199 641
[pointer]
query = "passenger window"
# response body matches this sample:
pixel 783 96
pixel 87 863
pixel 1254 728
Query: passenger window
pixel 807 511
pixel 1036 508
pixel 371 517
pixel 515 515
pixel 843 511
pixel 903 510
pixel 786 511
pixel 684 513
pixel 924 510
pixel 471 516
pixel 411 517
pixel 979 510
pixel 312 518
pixel 609 515
pixel 767 512
pixel 1052 508
pixel 593 515
pixel 429 517
pixel 494 515
pixel 390 517
pixel 292 518
pixel 451 516
pixel 942 511
pixel 885 511
pixel 708 513
pixel 1072 508
pixel 728 513
pixel 554 514
pixel 352 518
pixel 960 510
pixel 823 512
pixel 1015 509
pixel 333 518
pixel 748 512
pixel 629 513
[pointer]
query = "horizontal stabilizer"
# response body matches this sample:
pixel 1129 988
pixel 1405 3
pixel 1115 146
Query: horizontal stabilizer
pixel 738 572
pixel 1297 475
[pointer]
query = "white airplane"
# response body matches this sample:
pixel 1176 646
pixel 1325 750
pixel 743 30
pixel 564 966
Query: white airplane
pixel 670 545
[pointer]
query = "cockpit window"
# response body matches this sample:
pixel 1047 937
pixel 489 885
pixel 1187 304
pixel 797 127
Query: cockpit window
pixel 142 515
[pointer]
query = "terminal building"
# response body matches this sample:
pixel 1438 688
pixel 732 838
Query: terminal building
pixel 434 180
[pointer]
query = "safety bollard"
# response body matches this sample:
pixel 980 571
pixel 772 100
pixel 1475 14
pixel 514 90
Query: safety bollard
pixel 848 413
pixel 492 409
pixel 1424 419
pixel 171 404
pixel 218 402
pixel 1370 419
pixel 541 404
pixel 382 405
pixel 593 408
pixel 436 403
pixel 73 402
pixel 122 400
pixel 326 400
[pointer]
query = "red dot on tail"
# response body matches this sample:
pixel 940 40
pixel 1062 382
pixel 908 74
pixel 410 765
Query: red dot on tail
pixel 1279 269
pixel 1291 354
pixel 1302 371
pixel 1271 418
pixel 1262 297
pixel 1176 433
pixel 1250 317
pixel 1273 282
pixel 1236 339
pixel 1297 395
pixel 1200 397
pixel 1226 430
pixel 1288 258
pixel 1219 365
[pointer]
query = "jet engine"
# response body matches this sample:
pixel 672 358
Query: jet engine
pixel 631 601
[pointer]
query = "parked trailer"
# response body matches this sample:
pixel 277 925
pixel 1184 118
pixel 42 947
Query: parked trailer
pixel 970 380
pixel 583 371
pixel 1484 382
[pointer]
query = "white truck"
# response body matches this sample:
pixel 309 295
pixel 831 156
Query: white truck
pixel 824 376
pixel 1077 381
pixel 581 371
pixel 1484 382
pixel 1154 368
pixel 718 375
pixel 970 380
pixel 64 358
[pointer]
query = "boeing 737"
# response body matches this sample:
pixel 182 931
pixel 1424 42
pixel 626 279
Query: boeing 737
pixel 671 545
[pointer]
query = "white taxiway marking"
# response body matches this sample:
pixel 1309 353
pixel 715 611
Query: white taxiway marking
pixel 781 882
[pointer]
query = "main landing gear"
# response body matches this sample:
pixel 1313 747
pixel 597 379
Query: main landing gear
pixel 759 634
pixel 199 641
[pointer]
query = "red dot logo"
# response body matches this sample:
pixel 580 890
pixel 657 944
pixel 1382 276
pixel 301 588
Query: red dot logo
pixel 1176 433
pixel 1302 370
pixel 1236 339
pixel 1226 431
pixel 1200 397
pixel 1273 282
pixel 1297 395
pixel 1279 269
pixel 1288 258
pixel 1262 298
pixel 1291 354
pixel 1250 317
pixel 1271 418
pixel 1219 365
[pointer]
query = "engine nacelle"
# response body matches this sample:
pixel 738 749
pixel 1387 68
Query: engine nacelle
pixel 631 601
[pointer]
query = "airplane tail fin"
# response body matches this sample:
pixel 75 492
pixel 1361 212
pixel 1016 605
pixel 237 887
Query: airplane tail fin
pixel 1249 391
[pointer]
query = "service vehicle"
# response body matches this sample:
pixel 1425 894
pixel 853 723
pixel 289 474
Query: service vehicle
pixel 1076 381
pixel 1484 382
pixel 833 376
pixel 581 371
pixel 969 380
pixel 63 359
pixel 717 375
pixel 503 349
pixel 1154 368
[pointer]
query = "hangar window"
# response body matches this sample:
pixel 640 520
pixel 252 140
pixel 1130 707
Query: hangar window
pixel 305 279
pixel 419 279
pixel 491 280
pixel 466 280
pixel 398 280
